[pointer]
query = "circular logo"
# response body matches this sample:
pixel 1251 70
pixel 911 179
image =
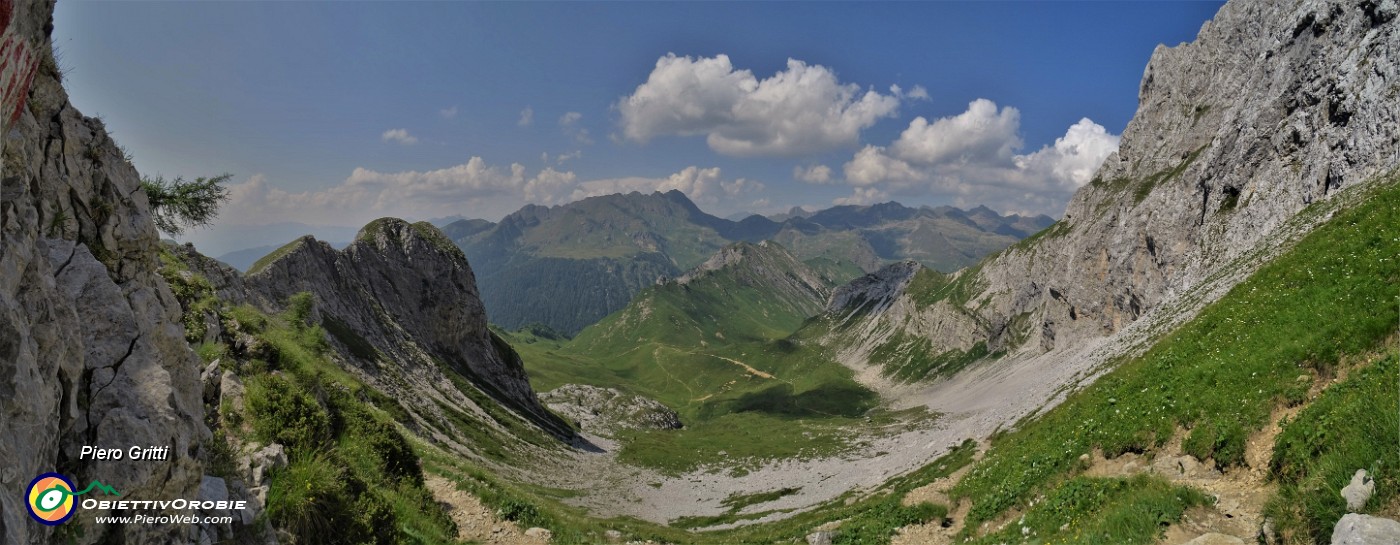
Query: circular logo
pixel 51 499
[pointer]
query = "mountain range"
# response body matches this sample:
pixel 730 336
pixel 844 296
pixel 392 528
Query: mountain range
pixel 567 266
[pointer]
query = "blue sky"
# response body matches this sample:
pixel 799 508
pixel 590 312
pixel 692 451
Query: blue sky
pixel 335 113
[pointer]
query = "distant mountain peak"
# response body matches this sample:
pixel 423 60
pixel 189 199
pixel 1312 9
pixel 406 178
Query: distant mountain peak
pixel 765 264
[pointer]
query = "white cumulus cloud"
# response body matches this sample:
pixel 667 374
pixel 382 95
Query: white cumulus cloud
pixel 1073 158
pixel 474 188
pixel 563 157
pixel 527 116
pixel 862 196
pixel 399 135
pixel 448 113
pixel 972 158
pixel 981 134
pixel 816 174
pixel 802 109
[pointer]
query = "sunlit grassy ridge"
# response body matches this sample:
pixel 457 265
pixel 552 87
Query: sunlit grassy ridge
pixel 1331 295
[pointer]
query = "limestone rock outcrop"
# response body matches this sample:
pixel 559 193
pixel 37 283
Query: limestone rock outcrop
pixel 608 410
pixel 401 304
pixel 91 347
pixel 1356 529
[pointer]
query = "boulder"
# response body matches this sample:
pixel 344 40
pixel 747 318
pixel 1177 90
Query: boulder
pixel 1356 529
pixel 264 461
pixel 211 378
pixel 1215 539
pixel 1359 491
pixel 823 537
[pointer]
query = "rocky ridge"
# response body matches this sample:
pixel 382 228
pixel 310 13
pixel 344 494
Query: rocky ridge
pixel 400 304
pixel 767 265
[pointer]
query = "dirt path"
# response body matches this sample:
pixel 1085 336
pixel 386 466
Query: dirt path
pixel 936 492
pixel 747 367
pixel 1240 492
pixel 475 522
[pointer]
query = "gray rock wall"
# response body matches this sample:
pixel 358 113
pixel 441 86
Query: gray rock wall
pixel 91 350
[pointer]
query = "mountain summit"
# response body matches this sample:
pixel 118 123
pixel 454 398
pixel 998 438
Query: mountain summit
pixel 401 302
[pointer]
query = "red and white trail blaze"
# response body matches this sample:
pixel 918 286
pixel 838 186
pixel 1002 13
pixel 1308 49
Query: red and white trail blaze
pixel 18 64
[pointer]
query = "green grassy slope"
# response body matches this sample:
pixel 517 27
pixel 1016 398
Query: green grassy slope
pixel 1331 296
pixel 1353 425
pixel 353 477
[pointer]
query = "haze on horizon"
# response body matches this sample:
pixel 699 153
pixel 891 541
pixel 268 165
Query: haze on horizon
pixel 335 114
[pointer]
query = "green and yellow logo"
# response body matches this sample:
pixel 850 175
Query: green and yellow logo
pixel 51 497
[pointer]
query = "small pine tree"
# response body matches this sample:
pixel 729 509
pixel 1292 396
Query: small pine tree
pixel 178 204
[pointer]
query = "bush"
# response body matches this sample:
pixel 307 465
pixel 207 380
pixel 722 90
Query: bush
pixel 386 447
pixel 520 511
pixel 299 308
pixel 284 413
pixel 307 498
pixel 318 501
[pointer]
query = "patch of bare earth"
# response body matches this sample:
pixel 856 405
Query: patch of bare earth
pixel 476 522
pixel 938 532
pixel 1240 492
pixel 935 533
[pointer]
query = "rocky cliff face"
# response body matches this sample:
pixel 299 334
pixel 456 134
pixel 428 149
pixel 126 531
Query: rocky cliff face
pixel 401 304
pixel 1276 105
pixel 91 348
